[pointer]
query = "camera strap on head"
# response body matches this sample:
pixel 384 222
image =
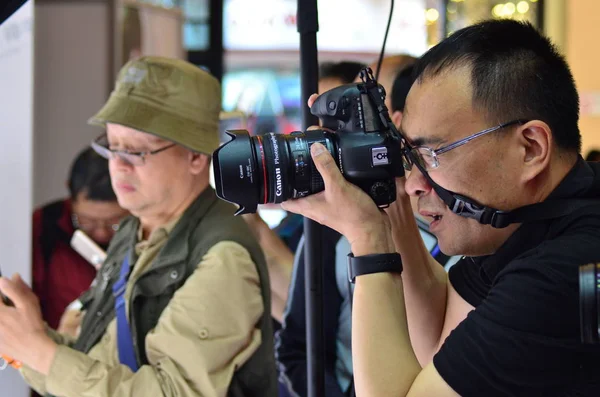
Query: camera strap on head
pixel 499 219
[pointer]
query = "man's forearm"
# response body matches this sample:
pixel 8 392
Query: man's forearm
pixel 383 359
pixel 424 283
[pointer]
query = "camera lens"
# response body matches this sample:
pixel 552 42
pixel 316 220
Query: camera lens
pixel 270 168
pixel 589 303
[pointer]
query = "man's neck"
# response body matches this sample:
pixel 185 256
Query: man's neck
pixel 556 174
pixel 152 222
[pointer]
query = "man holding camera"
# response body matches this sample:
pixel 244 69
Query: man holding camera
pixel 337 291
pixel 505 320
pixel 181 304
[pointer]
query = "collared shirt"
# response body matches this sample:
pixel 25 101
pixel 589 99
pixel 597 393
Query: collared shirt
pixel 523 338
pixel 207 331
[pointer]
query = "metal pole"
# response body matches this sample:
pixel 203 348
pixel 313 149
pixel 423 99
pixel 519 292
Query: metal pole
pixel 308 25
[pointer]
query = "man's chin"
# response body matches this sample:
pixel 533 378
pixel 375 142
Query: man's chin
pixel 130 205
pixel 135 209
pixel 462 249
pixel 449 248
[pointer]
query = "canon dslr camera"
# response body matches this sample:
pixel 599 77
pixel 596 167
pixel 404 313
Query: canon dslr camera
pixel 273 168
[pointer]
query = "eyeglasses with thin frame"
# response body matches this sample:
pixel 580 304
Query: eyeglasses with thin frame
pixel 428 158
pixel 100 146
pixel 89 225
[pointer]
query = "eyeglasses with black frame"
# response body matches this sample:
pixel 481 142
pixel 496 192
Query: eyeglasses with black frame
pixel 100 146
pixel 428 157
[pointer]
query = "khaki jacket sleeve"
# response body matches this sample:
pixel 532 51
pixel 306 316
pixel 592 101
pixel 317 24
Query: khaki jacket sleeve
pixel 207 331
pixel 59 338
pixel 36 380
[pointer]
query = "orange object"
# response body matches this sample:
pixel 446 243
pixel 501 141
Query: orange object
pixel 12 362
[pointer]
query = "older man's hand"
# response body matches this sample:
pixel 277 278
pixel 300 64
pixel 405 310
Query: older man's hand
pixel 22 330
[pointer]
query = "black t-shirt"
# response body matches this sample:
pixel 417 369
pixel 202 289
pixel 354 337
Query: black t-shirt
pixel 523 338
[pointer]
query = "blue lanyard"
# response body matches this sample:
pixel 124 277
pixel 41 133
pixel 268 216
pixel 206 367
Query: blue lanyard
pixel 124 338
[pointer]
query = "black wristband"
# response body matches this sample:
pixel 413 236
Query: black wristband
pixel 374 263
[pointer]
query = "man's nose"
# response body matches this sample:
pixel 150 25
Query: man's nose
pixel 102 235
pixel 416 184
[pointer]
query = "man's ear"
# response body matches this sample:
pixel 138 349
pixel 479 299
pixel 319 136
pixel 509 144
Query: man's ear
pixel 198 162
pixel 397 118
pixel 535 138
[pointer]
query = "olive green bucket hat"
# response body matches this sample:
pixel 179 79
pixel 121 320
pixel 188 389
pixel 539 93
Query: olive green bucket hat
pixel 169 98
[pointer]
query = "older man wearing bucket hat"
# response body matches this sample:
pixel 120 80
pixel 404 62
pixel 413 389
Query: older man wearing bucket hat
pixel 181 304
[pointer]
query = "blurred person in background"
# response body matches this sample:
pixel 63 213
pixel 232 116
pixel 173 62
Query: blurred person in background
pixel 593 155
pixel 60 274
pixel 335 74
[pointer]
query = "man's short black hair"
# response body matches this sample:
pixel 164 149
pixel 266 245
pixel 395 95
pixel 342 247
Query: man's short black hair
pixel 516 73
pixel 345 71
pixel 402 84
pixel 89 175
pixel 593 155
